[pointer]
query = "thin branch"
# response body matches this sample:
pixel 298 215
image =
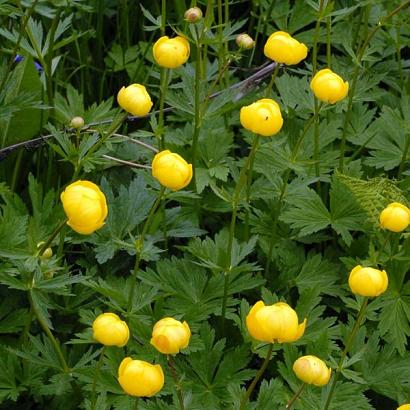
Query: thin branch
pixel 243 87
pixel 123 161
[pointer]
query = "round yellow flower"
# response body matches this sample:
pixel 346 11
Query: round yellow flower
pixel 283 48
pixel 312 370
pixel 404 407
pixel 328 86
pixel 171 170
pixel 278 322
pixel 368 281
pixel 170 335
pixel 139 378
pixel 85 206
pixel 171 52
pixel 110 330
pixel 262 117
pixel 396 217
pixel 135 99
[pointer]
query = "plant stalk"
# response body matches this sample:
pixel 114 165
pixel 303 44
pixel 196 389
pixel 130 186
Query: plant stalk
pixel 140 246
pixel 295 396
pixel 235 200
pixel 256 379
pixel 51 238
pixel 176 381
pixel 96 374
pixel 345 350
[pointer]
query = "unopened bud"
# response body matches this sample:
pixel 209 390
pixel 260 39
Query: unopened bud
pixel 193 15
pixel 245 41
pixel 48 252
pixel 77 122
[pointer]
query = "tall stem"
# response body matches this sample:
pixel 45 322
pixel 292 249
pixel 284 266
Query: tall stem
pixel 164 80
pixel 345 350
pixel 96 374
pixel 235 200
pixel 176 381
pixel 256 379
pixel 295 396
pixel 48 332
pixel 272 80
pixel 295 152
pixel 359 57
pixel 197 106
pixel 51 238
pixel 140 246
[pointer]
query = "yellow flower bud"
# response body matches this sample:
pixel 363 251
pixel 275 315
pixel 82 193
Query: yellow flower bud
pixel 404 407
pixel 171 52
pixel 368 281
pixel 77 122
pixel 193 15
pixel 170 335
pixel 110 330
pixel 312 370
pixel 262 117
pixel 171 170
pixel 85 206
pixel 245 41
pixel 396 217
pixel 283 48
pixel 135 99
pixel 278 322
pixel 328 86
pixel 139 378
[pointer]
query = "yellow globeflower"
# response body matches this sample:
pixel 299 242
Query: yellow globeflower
pixel 171 52
pixel 171 170
pixel 85 206
pixel 278 322
pixel 135 99
pixel 404 407
pixel 139 378
pixel 368 281
pixel 396 217
pixel 110 330
pixel 262 117
pixel 328 86
pixel 283 48
pixel 170 335
pixel 312 370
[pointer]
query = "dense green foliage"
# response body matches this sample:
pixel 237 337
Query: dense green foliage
pixel 308 214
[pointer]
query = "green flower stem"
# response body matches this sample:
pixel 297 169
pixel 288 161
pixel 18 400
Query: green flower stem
pixel 328 41
pixel 176 381
pixel 316 148
pixel 295 152
pixel 118 119
pixel 404 157
pixel 140 247
pixel 235 200
pixel 51 238
pixel 348 344
pixel 355 76
pixel 164 81
pixel 163 16
pixel 48 332
pixel 256 379
pixel 96 374
pixel 248 188
pixel 295 396
pixel 197 106
pixel 272 80
pixel 316 37
pixel 137 399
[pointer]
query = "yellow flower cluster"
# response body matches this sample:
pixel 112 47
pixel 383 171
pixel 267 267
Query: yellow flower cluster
pixel 137 377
